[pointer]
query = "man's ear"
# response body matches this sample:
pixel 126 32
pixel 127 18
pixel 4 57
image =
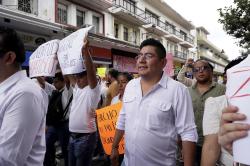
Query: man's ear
pixel 164 62
pixel 9 58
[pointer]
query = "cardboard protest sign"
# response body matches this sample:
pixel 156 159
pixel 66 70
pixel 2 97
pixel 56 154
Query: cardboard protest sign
pixel 43 61
pixel 101 71
pixel 70 54
pixel 106 120
pixel 238 94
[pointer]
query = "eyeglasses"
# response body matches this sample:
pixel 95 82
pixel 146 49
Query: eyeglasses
pixel 147 56
pixel 201 69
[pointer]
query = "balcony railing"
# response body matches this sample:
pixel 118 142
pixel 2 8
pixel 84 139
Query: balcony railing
pixel 181 55
pixel 189 39
pixel 130 7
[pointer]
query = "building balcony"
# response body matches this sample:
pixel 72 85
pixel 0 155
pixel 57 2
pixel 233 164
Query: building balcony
pixel 26 22
pixel 127 10
pixel 157 26
pixel 188 42
pixel 180 55
pixel 174 36
pixel 96 4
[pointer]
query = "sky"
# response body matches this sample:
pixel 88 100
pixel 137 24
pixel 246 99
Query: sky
pixel 204 13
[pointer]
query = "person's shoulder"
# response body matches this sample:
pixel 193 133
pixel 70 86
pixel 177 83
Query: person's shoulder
pixel 134 82
pixel 176 84
pixel 26 85
pixel 220 86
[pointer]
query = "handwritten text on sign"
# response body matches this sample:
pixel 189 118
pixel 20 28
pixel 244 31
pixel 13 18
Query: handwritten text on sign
pixel 69 52
pixel 106 119
pixel 43 61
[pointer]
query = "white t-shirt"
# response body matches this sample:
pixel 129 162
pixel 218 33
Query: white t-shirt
pixel 23 106
pixel 115 99
pixel 48 88
pixel 82 112
pixel 211 122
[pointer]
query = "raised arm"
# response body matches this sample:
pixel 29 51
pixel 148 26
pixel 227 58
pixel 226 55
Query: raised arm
pixel 91 72
pixel 181 75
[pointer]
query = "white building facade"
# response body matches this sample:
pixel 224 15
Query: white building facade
pixel 119 27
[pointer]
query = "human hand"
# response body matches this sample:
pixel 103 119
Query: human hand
pixel 230 131
pixel 189 62
pixel 114 157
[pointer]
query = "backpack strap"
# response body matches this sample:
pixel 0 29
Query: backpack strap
pixel 66 110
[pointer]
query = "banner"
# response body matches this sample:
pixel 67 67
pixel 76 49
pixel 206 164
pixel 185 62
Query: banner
pixel 106 120
pixel 43 61
pixel 169 68
pixel 70 54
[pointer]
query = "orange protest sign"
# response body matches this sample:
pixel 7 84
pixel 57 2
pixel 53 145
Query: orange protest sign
pixel 106 120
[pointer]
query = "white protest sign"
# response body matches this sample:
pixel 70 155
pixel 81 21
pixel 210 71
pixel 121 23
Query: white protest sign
pixel 69 52
pixel 238 94
pixel 44 60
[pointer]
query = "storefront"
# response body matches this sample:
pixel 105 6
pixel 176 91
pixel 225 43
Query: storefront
pixel 124 61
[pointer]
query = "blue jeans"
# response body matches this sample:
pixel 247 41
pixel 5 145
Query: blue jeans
pixel 54 133
pixel 81 150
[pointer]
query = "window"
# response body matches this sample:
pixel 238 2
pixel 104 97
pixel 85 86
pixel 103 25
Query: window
pixel 116 30
pixel 134 36
pixel 183 35
pixel 153 18
pixel 125 33
pixel 96 23
pixel 25 5
pixel 62 13
pixel 80 18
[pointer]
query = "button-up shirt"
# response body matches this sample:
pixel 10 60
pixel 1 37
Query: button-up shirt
pixel 152 122
pixel 23 106
pixel 198 100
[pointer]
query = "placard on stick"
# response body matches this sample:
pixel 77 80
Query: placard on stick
pixel 43 61
pixel 69 52
pixel 106 120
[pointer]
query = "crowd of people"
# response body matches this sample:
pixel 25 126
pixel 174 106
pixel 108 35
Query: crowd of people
pixel 158 115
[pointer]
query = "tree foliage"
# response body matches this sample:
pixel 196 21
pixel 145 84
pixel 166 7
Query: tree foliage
pixel 236 21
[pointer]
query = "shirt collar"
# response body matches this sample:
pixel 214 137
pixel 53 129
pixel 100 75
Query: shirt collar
pixel 213 84
pixel 163 81
pixel 9 82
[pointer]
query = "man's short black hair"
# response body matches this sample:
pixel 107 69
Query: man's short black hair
pixel 234 62
pixel 81 74
pixel 127 75
pixel 160 49
pixel 114 73
pixel 59 76
pixel 10 41
pixel 205 61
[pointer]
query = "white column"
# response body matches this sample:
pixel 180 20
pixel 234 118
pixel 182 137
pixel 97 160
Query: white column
pixel 88 17
pixel 130 35
pixel 109 25
pixel 120 32
pixel 143 34
pixel 12 4
pixel 71 14
pixel 164 43
pixel 46 10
